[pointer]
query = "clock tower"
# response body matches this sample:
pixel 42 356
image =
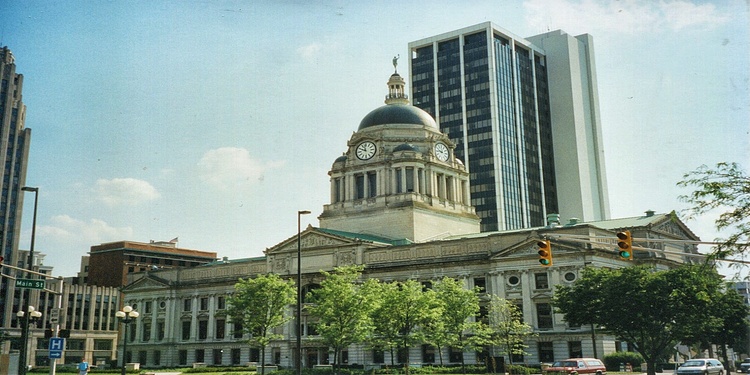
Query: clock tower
pixel 399 178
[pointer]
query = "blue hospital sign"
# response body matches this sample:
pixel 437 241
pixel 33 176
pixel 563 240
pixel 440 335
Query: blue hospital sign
pixel 56 346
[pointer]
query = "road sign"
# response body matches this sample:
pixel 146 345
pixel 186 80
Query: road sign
pixel 56 344
pixel 30 283
pixel 54 315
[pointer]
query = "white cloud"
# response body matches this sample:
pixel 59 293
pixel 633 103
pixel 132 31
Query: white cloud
pixel 64 230
pixel 124 191
pixel 229 168
pixel 310 51
pixel 627 16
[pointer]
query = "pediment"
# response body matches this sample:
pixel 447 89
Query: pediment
pixel 310 238
pixel 529 247
pixel 674 227
pixel 147 282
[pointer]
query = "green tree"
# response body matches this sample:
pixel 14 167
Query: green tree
pixel 507 329
pixel 404 311
pixel 725 187
pixel 672 305
pixel 260 304
pixel 457 306
pixel 343 306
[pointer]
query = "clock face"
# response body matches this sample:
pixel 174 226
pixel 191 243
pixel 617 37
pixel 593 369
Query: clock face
pixel 441 151
pixel 366 150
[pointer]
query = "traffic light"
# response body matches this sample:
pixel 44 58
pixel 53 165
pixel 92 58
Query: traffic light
pixel 625 243
pixel 545 253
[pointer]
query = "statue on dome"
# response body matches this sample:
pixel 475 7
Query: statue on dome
pixel 395 63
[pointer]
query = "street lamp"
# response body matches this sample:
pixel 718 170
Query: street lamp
pixel 127 315
pixel 298 361
pixel 26 319
pixel 25 294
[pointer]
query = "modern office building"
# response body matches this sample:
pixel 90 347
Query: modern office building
pixel 524 116
pixel 14 151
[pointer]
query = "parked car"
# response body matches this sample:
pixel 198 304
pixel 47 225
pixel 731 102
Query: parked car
pixel 701 366
pixel 574 366
pixel 744 366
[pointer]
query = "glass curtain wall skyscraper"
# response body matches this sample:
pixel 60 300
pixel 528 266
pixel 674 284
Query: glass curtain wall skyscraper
pixel 14 149
pixel 490 92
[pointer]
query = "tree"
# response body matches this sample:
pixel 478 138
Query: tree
pixel 454 325
pixel 506 327
pixel 260 305
pixel 343 306
pixel 653 310
pixel 724 187
pixel 404 311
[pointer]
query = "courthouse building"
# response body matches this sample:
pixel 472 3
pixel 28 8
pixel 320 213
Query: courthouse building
pixel 400 206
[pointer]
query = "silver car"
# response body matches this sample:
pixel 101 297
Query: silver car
pixel 701 366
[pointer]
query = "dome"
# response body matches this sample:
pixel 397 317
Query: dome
pixel 341 158
pixel 397 114
pixel 405 147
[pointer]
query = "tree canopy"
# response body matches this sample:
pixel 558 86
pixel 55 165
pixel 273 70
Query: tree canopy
pixel 726 188
pixel 654 310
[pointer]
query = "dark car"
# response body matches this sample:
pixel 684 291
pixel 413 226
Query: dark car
pixel 744 366
pixel 573 366
pixel 701 366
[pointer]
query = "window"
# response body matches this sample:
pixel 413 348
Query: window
pixel 546 353
pixel 428 354
pixel 378 356
pixel 455 355
pixel 360 184
pixel 481 284
pixel 147 307
pixel 160 330
pixel 186 330
pixel 200 355
pixel 544 315
pixel 570 276
pixel 541 280
pixel 204 303
pixel 221 303
pixel 202 329
pixel 220 327
pixel 254 355
pixel 237 330
pixel 514 280
pixel 146 333
pixel 372 184
pixel 236 356
pixel 157 357
pixel 218 353
pixel 187 305
pixel 182 357
pixel 101 344
pixel 574 349
pixel 142 356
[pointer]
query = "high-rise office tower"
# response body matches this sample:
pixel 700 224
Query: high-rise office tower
pixel 524 114
pixel 14 151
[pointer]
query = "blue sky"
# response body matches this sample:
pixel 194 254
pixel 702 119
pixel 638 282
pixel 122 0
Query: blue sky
pixel 215 122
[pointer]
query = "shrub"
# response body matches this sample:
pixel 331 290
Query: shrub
pixel 613 360
pixel 517 370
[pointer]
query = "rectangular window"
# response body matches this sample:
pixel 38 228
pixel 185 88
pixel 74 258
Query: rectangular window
pixel 236 356
pixel 202 329
pixel 221 303
pixel 146 334
pixel 147 307
pixel 237 330
pixel 544 315
pixel 378 356
pixel 372 184
pixel 186 330
pixel 187 305
pixel 200 355
pixel 546 353
pixel 220 326
pixel 574 349
pixel 399 180
pixel 101 344
pixel 455 355
pixel 142 356
pixel 160 330
pixel 204 304
pixel 217 356
pixel 182 357
pixel 157 357
pixel 541 280
pixel 409 179
pixel 481 284
pixel 254 355
pixel 428 354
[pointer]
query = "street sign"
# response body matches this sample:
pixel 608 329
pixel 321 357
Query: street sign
pixel 56 346
pixel 30 283
pixel 54 315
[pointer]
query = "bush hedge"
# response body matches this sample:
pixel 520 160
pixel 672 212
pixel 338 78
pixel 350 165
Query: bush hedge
pixel 613 360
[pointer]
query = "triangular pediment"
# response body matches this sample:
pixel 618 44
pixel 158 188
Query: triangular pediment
pixel 310 238
pixel 147 282
pixel 673 226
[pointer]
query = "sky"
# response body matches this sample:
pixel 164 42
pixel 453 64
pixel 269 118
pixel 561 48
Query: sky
pixel 214 122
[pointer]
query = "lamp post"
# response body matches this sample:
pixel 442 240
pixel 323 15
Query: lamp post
pixel 25 294
pixel 127 315
pixel 298 361
pixel 26 319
